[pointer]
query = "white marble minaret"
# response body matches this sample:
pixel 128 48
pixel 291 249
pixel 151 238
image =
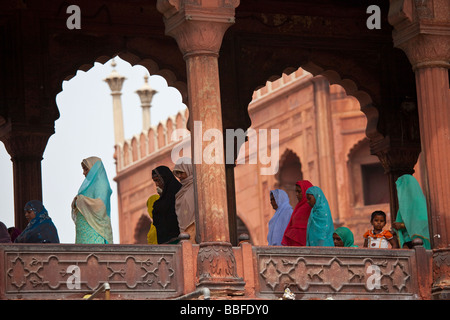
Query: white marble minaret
pixel 146 95
pixel 115 82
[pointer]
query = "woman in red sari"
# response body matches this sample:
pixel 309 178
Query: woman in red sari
pixel 295 234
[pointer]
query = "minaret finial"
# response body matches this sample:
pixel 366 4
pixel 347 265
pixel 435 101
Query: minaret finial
pixel 146 94
pixel 115 82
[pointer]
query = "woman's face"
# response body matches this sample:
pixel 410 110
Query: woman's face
pixel 298 192
pixel 30 214
pixel 310 199
pixel 337 240
pixel 273 202
pixel 180 175
pixel 158 181
pixel 85 170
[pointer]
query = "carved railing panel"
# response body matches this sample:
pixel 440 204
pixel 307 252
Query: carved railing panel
pixel 337 273
pixel 70 271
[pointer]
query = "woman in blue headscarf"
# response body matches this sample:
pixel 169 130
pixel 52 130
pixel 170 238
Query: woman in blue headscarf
pixel 412 216
pixel 40 228
pixel 278 224
pixel 91 206
pixel 320 229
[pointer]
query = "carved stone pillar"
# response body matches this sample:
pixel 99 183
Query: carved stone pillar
pixel 422 31
pixel 26 146
pixel 198 30
pixel 325 144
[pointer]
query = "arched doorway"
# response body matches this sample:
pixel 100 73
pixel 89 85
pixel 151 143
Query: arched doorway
pixel 141 230
pixel 289 173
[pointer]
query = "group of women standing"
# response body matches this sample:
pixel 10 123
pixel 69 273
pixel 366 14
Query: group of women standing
pixel 91 210
pixel 310 223
pixel 172 210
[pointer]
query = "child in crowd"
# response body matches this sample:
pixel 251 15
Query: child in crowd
pixel 377 237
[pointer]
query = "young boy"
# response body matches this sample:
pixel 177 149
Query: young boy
pixel 377 237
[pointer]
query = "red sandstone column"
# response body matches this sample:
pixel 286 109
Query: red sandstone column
pixel 325 144
pixel 422 31
pixel 198 30
pixel 434 106
pixel 204 101
pixel 26 146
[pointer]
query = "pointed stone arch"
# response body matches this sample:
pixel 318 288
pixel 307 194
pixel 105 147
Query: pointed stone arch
pixel 367 105
pixel 141 229
pixel 152 67
pixel 243 226
pixel 290 171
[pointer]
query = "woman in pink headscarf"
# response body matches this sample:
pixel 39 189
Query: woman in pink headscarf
pixel 295 233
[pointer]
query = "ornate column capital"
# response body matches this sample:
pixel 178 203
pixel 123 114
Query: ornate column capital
pixel 25 142
pixel 397 157
pixel 422 31
pixel 198 26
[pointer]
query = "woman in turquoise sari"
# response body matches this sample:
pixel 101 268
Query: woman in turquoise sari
pixel 412 216
pixel 320 229
pixel 91 206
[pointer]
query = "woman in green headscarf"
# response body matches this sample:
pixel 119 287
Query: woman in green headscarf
pixel 412 216
pixel 343 237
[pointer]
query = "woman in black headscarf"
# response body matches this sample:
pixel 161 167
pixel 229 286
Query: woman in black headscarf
pixel 164 214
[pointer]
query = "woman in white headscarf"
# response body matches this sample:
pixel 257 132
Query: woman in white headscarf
pixel 280 220
pixel 184 204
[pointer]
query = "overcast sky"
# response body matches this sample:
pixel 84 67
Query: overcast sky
pixel 84 129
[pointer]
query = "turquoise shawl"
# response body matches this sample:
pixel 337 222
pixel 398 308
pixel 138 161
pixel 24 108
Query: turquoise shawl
pixel 96 185
pixel 94 204
pixel 320 227
pixel 412 211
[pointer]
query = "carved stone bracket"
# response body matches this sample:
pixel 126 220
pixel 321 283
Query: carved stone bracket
pixel 422 31
pixel 22 141
pixel 216 268
pixel 441 273
pixel 397 158
pixel 26 145
pixel 197 28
